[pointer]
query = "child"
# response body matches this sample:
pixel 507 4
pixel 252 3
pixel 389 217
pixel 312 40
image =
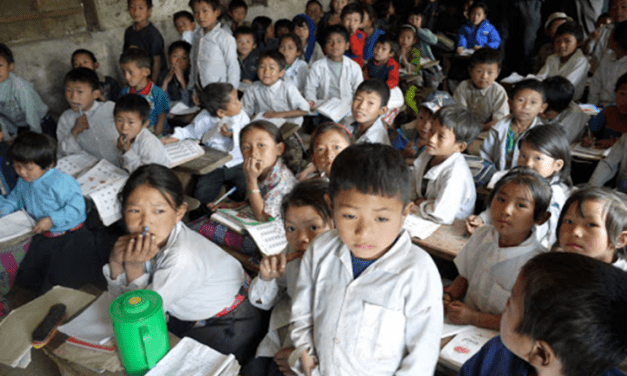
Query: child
pixel 356 309
pixel 372 33
pixel 562 318
pixel 271 96
pixel 20 105
pixel 501 145
pixel 599 40
pixel 327 141
pixel 313 10
pixel 568 60
pixel 185 25
pixel 203 288
pixel 173 81
pixel 352 18
pixel 483 96
pixel 222 111
pixel 445 187
pixel 609 125
pixel 479 32
pixel 306 214
pixel 297 69
pixel 136 67
pixel 142 34
pixel 610 68
pixel 547 48
pixel 264 33
pixel 369 104
pixel 237 13
pixel 332 17
pixel 613 166
pixel 247 54
pixel 283 27
pixel 109 88
pixel 407 39
pixel 491 259
pixel 87 125
pixel 561 109
pixel 214 52
pixel 304 27
pixel 383 65
pixel 136 144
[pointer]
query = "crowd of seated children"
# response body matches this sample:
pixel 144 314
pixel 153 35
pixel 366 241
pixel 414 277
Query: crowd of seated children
pixel 144 35
pixel 305 29
pixel 185 25
pixel 327 141
pixel 479 32
pixel 366 270
pixel 547 48
pixel 372 33
pixel 612 66
pixel 218 126
pixel 173 80
pixel 247 55
pixel 369 105
pixel 610 124
pixel 297 69
pixel 109 89
pixel 352 19
pixel 330 18
pixel 613 168
pixel 489 262
pixel 237 13
pixel 561 109
pixel 264 33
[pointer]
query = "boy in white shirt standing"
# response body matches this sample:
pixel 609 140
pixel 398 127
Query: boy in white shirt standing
pixel 357 310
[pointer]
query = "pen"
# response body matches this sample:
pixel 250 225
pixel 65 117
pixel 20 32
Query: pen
pixel 80 110
pixel 225 195
pixel 146 229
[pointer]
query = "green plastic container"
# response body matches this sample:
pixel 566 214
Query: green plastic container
pixel 140 330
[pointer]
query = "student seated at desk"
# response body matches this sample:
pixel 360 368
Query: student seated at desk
pixel 173 81
pixel 369 105
pixel 327 141
pixel 109 88
pixel 612 66
pixel 561 109
pixel 609 125
pixel 564 317
pixel 613 166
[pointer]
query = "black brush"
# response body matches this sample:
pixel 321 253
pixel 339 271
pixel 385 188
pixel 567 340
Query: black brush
pixel 48 326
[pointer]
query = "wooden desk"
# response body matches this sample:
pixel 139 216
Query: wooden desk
pixel 211 160
pixel 446 241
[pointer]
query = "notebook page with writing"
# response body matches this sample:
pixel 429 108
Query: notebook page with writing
pixel 269 237
pixel 15 224
pixel 76 164
pixel 102 184
pixel 183 151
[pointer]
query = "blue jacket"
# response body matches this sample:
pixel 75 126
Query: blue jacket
pixel 484 35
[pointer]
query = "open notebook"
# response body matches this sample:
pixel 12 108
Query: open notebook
pixel 15 225
pixel 183 151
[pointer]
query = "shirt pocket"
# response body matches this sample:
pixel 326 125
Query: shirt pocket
pixel 381 333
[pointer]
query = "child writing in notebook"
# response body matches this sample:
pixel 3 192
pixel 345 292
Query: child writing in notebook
pixel 489 262
pixel 327 141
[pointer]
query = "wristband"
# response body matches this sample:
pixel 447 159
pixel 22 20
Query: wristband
pixel 254 191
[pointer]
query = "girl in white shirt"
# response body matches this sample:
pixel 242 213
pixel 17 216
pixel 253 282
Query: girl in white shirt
pixel 297 69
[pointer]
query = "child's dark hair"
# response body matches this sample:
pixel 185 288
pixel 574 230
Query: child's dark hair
pixel 179 44
pixel 461 121
pixel 263 125
pixel 158 177
pixel 183 14
pixel 314 1
pixel 575 304
pixel 538 186
pixel 373 169
pixel 309 193
pixel 300 21
pixel 551 139
pixel 83 75
pixel 234 4
pixel 245 30
pixel 297 42
pixel 409 27
pixel 215 96
pixel 137 56
pixel 275 55
pixel 82 51
pixel 369 10
pixel 559 92
pixel 531 84
pixel 614 211
pixel 133 103
pixel 479 4
pixel 390 40
pixel 572 28
pixel 620 82
pixel 485 55
pixel 620 35
pixel 351 8
pixel 324 128
pixel 336 29
pixel 260 25
pixel 215 4
pixel 6 53
pixel 148 3
pixel 38 148
pixel 375 86
pixel 602 16
pixel 283 22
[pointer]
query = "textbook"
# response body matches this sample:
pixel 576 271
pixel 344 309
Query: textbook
pixel 418 227
pixel 590 151
pixel 464 345
pixel 15 225
pixel 183 151
pixel 75 164
pixel 102 183
pixel 335 109
pixel 279 121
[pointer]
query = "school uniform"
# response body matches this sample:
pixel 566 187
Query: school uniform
pixel 450 189
pixel 175 90
pixel 484 35
pixel 494 147
pixel 157 99
pixel 491 271
pixel 144 150
pixel 488 104
pixel 297 74
pixel 426 39
pixel 621 264
pixel 575 70
pixel 376 134
pixel 598 47
pixel 614 165
pixel 20 106
pixel 214 58
pixel 321 79
pixel 248 66
pixel 281 96
pixel 375 324
pixel 603 81
pixel 573 120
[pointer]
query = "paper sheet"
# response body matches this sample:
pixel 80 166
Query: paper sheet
pixel 451 329
pixel 269 237
pixel 183 151
pixel 279 121
pixel 580 150
pixel 76 164
pixel 335 108
pixel 495 178
pixel 93 325
pixel 103 183
pixel 464 345
pixel 15 224
pixel 181 108
pixel 418 227
pixel 515 77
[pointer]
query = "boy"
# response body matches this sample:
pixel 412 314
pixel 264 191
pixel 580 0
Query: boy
pixel 501 145
pixel 136 144
pixel 609 124
pixel 383 65
pixel 185 25
pixel 173 81
pixel 562 110
pixel 313 10
pixel 352 16
pixel 369 104
pixel 135 65
pixel 142 34
pixel 444 183
pixel 481 94
pixel 283 27
pixel 546 49
pixel 247 54
pixel 562 318
pixel 214 53
pixel 237 12
pixel 88 124
pixel 109 88
pixel 610 68
pixel 356 310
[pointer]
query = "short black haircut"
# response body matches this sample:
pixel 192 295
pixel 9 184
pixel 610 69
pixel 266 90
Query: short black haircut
pixel 148 3
pixel 6 53
pixel 620 82
pixel 215 96
pixel 309 193
pixel 336 29
pixel 179 44
pixel 603 15
pixel 576 304
pixel 183 14
pixel 392 41
pixel 479 4
pixel 133 103
pixel 461 121
pixel 375 86
pixel 82 51
pixel 156 176
pixel 275 55
pixel 83 75
pixel 572 28
pixel 373 169
pixel 38 148
pixel 215 4
pixel 283 22
pixel 485 55
pixel 531 84
pixel 314 2
pixel 620 35
pixel 297 42
pixel 369 10
pixel 559 92
pixel 551 140
pixel 234 4
pixel 137 56
pixel 263 125
pixel 245 30
pixel 351 8
pixel 538 186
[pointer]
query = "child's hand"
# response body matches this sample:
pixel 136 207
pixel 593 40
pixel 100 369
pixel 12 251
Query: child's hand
pixel 119 249
pixel 247 82
pixel 168 140
pixel 80 125
pixel 307 362
pixel 282 360
pixel 272 267
pixel 473 222
pixel 447 299
pixel 271 115
pixel 124 143
pixel 252 169
pixel 140 249
pixel 460 50
pixel 312 105
pixel 459 313
pixel 604 144
pixel 195 99
pixel 42 225
pixel 226 131
pixel 409 151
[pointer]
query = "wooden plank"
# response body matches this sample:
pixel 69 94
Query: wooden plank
pixel 446 241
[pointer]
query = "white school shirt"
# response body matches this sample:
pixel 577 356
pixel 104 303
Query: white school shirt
pixel 615 164
pixel 99 140
pixel 493 147
pixel 488 104
pixel 387 321
pixel 376 134
pixel 573 120
pixel 620 264
pixel 598 47
pixel 575 70
pixel 204 122
pixel 144 150
pixel 297 74
pixel 317 86
pixel 491 271
pixel 195 278
pixel 214 58
pixel 281 96
pixel 450 191
pixel 604 79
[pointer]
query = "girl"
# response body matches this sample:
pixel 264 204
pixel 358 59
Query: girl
pixel 407 38
pixel 306 214
pixel 304 27
pixel 327 141
pixel 489 263
pixel 264 33
pixel 203 288
pixel 297 69
pixel 544 149
pixel 332 17
pixel 594 223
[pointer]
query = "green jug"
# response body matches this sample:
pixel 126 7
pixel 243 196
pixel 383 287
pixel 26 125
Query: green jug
pixel 140 330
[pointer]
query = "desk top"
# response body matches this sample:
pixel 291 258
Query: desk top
pixel 446 241
pixel 211 160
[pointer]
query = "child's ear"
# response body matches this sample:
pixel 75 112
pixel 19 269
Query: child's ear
pixel 544 107
pixel 96 65
pixel 559 164
pixel 95 94
pixel 383 110
pixel 146 72
pixel 542 357
pixel 408 209
pixel 327 198
pixel 621 241
pixel 280 148
pixel 545 217
pixel 221 113
pixel 461 146
pixel 282 73
pixel 146 124
pixel 181 210
pixel 11 66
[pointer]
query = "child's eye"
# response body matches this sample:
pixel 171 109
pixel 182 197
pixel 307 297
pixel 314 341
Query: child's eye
pixel 539 158
pixel 348 216
pixel 522 205
pixel 568 221
pixel 500 199
pixel 337 147
pixel 262 145
pixel 314 228
pixel 159 211
pixel 290 229
pixel 382 219
pixel 591 224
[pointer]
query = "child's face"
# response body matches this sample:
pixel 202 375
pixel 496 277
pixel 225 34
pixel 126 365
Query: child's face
pixel 80 93
pixel 335 46
pixel 282 31
pixel 527 104
pixel 367 107
pixel 289 50
pixel 511 318
pixel 234 106
pixel 484 75
pixel 269 32
pixel 338 5
pixel 619 9
pixel 260 146
pixel 29 171
pixel 245 44
pixel 441 141
pixel 406 39
pixel 179 58
pixel 5 69
pixel 139 11
pixel 314 12
pixel 146 206
pixel 621 99
pixel 269 71
pixel 205 15
pixel 585 233
pixel 415 20
pixel 352 22
pixel 302 32
pixel 326 147
pixel 135 76
pixel 565 45
pixel 367 22
pixel 368 223
pixel 424 123
pixel 238 15
pixel 382 53
pixel 539 162
pixel 477 16
pixel 84 61
pixel 302 225
pixel 183 24
pixel 129 124
pixel 512 213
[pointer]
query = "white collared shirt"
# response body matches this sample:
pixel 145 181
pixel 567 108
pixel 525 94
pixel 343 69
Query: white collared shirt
pixel 144 150
pixel 573 120
pixel 376 134
pixel 488 104
pixel 281 96
pixel 493 147
pixel 213 58
pixel 318 84
pixel 297 74
pixel 602 86
pixel 575 70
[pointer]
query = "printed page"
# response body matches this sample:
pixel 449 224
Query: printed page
pixel 76 164
pixel 183 151
pixel 15 225
pixel 102 184
pixel 418 227
pixel 464 345
pixel 181 108
pixel 335 109
pixel 269 237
